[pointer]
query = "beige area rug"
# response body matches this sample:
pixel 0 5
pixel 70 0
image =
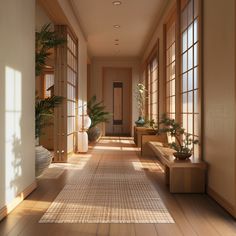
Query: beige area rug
pixel 111 188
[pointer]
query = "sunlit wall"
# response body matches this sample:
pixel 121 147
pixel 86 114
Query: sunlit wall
pixel 17 89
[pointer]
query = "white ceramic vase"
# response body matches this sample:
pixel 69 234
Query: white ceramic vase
pixel 43 159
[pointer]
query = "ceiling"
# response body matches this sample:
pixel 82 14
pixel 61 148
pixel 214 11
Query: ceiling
pixel 135 17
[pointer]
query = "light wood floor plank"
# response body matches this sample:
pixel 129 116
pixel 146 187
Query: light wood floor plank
pixel 122 229
pixel 145 229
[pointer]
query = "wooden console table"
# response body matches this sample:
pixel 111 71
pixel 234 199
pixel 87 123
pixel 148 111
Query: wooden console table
pixel 139 131
pixel 182 176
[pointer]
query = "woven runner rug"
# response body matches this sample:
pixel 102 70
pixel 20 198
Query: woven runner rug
pixel 111 188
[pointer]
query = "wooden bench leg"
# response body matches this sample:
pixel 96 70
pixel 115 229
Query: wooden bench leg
pixel 167 175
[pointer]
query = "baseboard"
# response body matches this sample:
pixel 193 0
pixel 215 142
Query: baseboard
pixel 18 199
pixel 223 202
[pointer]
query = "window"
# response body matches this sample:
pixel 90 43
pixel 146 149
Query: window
pixel 190 69
pixel 71 92
pixel 170 67
pixel 153 89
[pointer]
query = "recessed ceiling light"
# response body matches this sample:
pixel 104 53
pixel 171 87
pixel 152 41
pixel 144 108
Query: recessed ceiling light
pixel 116 3
pixel 116 26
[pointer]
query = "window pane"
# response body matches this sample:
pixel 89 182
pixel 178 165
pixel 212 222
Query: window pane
pixel 190 35
pixel 195 101
pixel 195 78
pixel 195 31
pixel 190 58
pixel 185 103
pixel 190 102
pixel 196 54
pixel 184 82
pixel 185 122
pixel 184 41
pixel 184 61
pixel 190 123
pixel 190 80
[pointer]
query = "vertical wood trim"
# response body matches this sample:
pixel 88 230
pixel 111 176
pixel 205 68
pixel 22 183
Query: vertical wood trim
pixel 200 61
pixel 164 68
pixel 178 101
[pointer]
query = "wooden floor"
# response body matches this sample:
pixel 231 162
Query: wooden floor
pixel 194 214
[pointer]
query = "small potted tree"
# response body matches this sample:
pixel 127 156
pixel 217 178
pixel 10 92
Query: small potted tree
pixel 183 143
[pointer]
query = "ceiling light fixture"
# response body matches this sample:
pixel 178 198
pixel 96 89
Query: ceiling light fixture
pixel 116 3
pixel 116 26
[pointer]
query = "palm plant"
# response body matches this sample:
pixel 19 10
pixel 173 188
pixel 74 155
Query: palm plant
pixel 45 40
pixel 44 109
pixel 96 112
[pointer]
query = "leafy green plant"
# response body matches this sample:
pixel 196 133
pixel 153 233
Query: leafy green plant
pixel 44 109
pixel 45 41
pixel 183 141
pixel 96 112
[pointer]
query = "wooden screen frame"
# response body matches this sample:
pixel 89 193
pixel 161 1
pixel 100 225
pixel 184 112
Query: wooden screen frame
pixel 61 78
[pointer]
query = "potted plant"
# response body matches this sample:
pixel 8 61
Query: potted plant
pixel 44 109
pixel 97 115
pixel 183 142
pixel 141 99
pixel 45 41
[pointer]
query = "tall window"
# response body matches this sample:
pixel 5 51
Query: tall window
pixel 153 87
pixel 190 68
pixel 71 92
pixel 170 67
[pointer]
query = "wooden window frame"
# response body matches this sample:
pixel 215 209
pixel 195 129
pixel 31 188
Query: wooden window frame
pixel 180 4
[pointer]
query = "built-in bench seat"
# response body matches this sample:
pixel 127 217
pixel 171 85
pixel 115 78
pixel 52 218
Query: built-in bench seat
pixel 182 176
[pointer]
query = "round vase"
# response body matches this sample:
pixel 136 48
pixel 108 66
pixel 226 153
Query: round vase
pixel 43 159
pixel 140 122
pixel 182 156
pixel 94 134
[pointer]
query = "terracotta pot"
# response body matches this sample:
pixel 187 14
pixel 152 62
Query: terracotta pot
pixel 43 159
pixel 182 156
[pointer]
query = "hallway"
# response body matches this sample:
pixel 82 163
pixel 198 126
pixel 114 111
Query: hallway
pixel 193 214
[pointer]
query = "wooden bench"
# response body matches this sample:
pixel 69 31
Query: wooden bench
pixel 186 176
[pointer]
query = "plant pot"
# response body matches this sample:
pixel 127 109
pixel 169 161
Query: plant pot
pixel 43 159
pixel 182 156
pixel 140 122
pixel 94 134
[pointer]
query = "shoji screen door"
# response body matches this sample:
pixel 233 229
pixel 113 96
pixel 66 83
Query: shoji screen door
pixel 66 85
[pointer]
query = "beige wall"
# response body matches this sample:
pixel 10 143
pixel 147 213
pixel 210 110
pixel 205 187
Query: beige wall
pixel 96 77
pixel 219 96
pixel 17 89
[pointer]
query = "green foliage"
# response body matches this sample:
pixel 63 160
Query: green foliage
pixel 96 112
pixel 45 40
pixel 149 123
pixel 141 98
pixel 44 109
pixel 183 140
